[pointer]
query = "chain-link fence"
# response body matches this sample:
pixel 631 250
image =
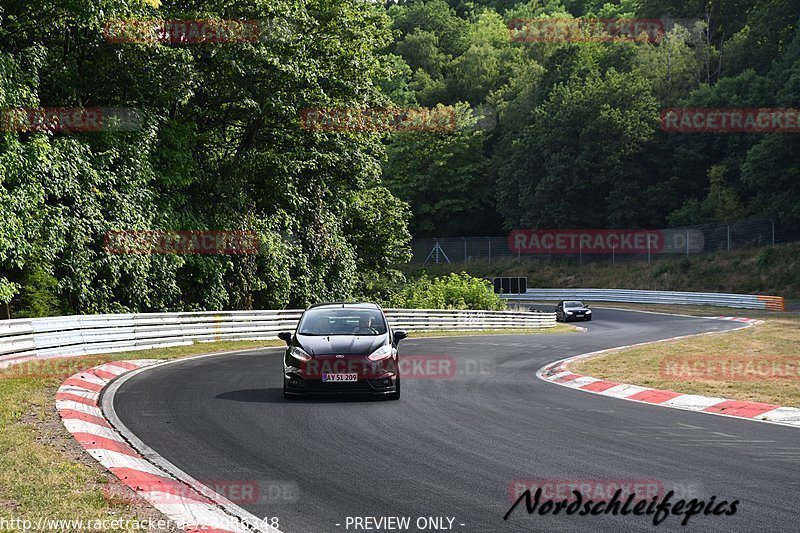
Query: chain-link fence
pixel 578 246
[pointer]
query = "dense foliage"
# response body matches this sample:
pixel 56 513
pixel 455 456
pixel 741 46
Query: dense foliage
pixel 577 141
pixel 220 148
pixel 454 291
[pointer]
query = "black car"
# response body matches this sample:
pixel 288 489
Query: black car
pixel 572 310
pixel 342 348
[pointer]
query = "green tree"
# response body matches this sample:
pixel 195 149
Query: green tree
pixel 443 176
pixel 721 204
pixel 220 147
pixel 575 152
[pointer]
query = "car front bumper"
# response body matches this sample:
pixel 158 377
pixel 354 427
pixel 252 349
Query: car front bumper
pixel 569 318
pixel 296 385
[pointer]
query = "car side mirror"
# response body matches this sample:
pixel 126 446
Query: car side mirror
pixel 285 336
pixel 587 306
pixel 399 335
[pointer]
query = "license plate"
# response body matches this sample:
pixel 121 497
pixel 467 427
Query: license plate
pixel 339 377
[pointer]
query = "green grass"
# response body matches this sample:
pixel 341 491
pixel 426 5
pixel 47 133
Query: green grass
pixel 696 310
pixel 560 328
pixel 45 472
pixel 777 338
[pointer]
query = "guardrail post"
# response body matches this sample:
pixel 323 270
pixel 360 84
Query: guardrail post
pixel 729 238
pixel 687 243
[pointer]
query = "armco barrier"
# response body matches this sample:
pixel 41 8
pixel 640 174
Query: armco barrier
pixel 743 301
pixel 41 338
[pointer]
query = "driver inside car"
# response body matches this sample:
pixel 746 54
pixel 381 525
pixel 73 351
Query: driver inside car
pixel 365 326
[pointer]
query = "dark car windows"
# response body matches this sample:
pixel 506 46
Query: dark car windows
pixel 342 321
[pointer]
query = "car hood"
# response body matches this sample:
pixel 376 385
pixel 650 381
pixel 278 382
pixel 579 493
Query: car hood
pixel 340 344
pixel 576 309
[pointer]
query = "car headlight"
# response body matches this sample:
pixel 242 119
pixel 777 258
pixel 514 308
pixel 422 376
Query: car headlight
pixel 588 312
pixel 299 354
pixel 384 352
pixel 569 312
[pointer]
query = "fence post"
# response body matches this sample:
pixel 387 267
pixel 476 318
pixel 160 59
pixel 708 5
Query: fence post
pixel 580 252
pixel 612 253
pixel 648 246
pixel 687 243
pixel 489 240
pixel 465 249
pixel 729 238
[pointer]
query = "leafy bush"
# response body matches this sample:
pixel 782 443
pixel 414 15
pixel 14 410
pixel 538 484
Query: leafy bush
pixel 766 258
pixel 38 295
pixel 454 291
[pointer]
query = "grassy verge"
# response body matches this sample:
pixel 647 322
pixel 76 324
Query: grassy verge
pixel 46 474
pixel 776 339
pixel 696 310
pixel 560 328
pixel 692 310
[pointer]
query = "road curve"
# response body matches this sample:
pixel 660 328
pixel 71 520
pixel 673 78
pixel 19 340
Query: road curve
pixel 451 447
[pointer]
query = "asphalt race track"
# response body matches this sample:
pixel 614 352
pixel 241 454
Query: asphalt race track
pixel 452 446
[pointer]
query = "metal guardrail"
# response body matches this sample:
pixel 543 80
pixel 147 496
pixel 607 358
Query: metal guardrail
pixel 41 338
pixel 743 301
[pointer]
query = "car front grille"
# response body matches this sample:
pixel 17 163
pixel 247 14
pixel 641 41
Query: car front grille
pixel 357 386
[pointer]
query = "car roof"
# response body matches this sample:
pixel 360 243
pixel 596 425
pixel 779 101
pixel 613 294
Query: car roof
pixel 345 305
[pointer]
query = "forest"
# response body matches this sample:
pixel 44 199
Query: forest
pixel 550 135
pixel 573 138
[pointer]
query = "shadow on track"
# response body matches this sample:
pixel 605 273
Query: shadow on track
pixel 275 395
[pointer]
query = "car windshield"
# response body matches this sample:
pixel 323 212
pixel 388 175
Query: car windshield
pixel 342 321
pixel 573 304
